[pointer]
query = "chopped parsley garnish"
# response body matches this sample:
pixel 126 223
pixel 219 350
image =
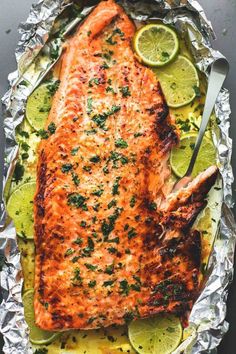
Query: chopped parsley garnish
pixel 25 146
pixel 24 134
pixel 135 287
pixel 115 157
pixel 125 91
pixel 90 266
pixel 132 201
pixel 136 135
pixel 18 172
pixel 92 283
pixel 115 188
pixel 124 287
pixel 25 156
pixel 74 151
pixel 120 143
pixel 75 178
pixel 52 128
pixel 100 119
pixel 77 280
pixel 110 39
pixel 109 269
pixel 108 282
pixel 108 227
pixel 152 206
pixel 76 200
pixel 112 250
pixel 95 159
pixel 94 81
pixel 114 240
pixel 53 86
pixel 86 252
pixel 78 241
pixel 110 89
pixel 104 66
pixel 112 203
pixel 87 168
pixel 83 223
pixel 43 134
pixel 89 105
pixel 132 233
pixel 98 192
pixel 69 252
pixel 66 167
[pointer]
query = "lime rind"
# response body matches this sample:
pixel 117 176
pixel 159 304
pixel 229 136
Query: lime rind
pixel 20 209
pixel 156 44
pixel 179 81
pixel 37 335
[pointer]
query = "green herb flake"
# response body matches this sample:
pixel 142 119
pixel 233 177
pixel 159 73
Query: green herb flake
pixel 132 233
pixel 90 266
pixel 112 203
pixel 92 283
pixel 52 128
pixel 43 134
pixel 75 178
pixel 66 167
pixel 74 151
pixel 112 250
pixel 69 252
pixel 76 200
pixel 120 143
pixel 78 241
pixel 95 159
pixel 108 283
pixel 52 87
pixel 89 105
pixel 125 91
pixel 109 269
pixel 124 287
pixel 115 188
pixel 132 201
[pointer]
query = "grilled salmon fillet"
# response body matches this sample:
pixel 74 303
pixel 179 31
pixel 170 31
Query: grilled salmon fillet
pixel 111 245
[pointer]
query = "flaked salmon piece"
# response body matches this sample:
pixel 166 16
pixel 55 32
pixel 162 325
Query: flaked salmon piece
pixel 105 249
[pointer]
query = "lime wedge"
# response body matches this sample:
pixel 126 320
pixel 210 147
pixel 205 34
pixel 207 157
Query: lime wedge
pixel 37 335
pixel 20 209
pixel 179 82
pixel 181 155
pixel 156 44
pixel 39 104
pixel 161 334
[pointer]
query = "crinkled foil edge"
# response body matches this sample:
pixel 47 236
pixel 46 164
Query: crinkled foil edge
pixel 207 317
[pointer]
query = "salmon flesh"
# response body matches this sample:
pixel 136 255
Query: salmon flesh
pixel 112 243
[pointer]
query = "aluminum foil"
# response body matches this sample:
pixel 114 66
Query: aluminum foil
pixel 207 318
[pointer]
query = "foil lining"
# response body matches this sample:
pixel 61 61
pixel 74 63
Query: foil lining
pixel 207 318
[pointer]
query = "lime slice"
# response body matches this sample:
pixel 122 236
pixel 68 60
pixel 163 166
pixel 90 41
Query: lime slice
pixel 179 82
pixel 161 334
pixel 37 335
pixel 38 106
pixel 20 209
pixel 156 44
pixel 181 155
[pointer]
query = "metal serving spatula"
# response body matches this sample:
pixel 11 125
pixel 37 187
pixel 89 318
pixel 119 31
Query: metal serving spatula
pixel 219 71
